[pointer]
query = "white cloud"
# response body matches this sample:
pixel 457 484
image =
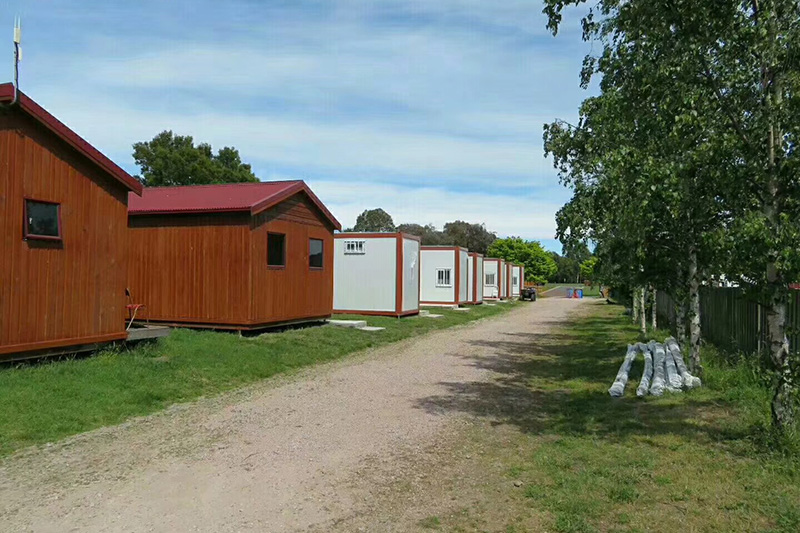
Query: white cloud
pixel 519 215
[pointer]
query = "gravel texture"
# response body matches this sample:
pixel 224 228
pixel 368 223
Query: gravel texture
pixel 279 456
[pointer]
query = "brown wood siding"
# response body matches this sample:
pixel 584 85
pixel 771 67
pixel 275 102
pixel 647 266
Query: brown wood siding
pixel 297 291
pixel 191 268
pixel 58 293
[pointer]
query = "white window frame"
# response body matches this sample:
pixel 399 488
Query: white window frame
pixel 355 247
pixel 516 281
pixel 444 277
pixel 490 279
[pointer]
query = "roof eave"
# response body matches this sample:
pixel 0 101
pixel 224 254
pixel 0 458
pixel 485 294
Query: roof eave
pixel 57 127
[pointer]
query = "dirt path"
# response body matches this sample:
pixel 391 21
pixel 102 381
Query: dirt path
pixel 284 455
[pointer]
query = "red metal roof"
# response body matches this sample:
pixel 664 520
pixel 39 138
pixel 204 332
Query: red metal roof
pixel 39 114
pixel 229 197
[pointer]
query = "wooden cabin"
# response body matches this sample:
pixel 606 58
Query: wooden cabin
pixel 236 256
pixel 443 275
pixel 376 274
pixel 63 236
pixel 475 279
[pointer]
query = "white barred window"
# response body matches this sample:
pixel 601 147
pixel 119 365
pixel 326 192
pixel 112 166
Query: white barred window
pixel 489 279
pixel 354 247
pixel 443 277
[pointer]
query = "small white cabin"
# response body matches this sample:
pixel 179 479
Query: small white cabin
pixel 376 274
pixel 517 280
pixel 475 278
pixel 493 278
pixel 443 275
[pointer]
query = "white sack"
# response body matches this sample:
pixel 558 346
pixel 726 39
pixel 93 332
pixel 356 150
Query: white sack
pixel 659 371
pixel 618 387
pixel 689 381
pixel 647 373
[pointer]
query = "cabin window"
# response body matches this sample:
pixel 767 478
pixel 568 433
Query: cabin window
pixel 516 280
pixel 490 279
pixel 443 277
pixel 315 253
pixel 42 220
pixel 354 247
pixel 276 249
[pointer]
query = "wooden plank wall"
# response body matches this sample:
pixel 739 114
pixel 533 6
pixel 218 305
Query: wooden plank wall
pixel 191 268
pixel 296 292
pixel 58 293
pixel 732 321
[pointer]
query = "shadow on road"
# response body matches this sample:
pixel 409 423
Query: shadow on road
pixel 556 383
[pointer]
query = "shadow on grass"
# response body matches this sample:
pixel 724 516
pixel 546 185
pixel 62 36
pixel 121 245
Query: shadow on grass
pixel 557 383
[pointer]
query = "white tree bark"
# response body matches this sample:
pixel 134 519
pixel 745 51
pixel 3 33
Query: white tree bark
pixel 643 314
pixel 635 306
pixel 694 314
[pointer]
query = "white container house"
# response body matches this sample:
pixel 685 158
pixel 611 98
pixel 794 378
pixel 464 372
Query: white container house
pixel 517 280
pixel 376 274
pixel 475 278
pixel 443 275
pixel 493 278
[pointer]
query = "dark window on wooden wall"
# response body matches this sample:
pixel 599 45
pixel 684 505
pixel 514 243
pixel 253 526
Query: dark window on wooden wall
pixel 276 249
pixel 42 220
pixel 315 253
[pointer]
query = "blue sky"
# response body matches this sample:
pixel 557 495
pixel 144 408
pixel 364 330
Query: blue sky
pixel 431 109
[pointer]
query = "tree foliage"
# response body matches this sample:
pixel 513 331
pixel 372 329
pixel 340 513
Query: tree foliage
pixel 685 165
pixel 376 220
pixel 539 263
pixel 170 159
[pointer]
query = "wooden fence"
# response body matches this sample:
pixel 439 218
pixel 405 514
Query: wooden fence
pixel 732 321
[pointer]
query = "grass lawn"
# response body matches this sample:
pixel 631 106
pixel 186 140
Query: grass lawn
pixel 569 458
pixel 45 402
pixel 587 291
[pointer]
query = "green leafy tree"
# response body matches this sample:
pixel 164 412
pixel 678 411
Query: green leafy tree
pixel 428 234
pixel 170 159
pixel 538 262
pixel 587 269
pixel 567 270
pixel 714 86
pixel 474 237
pixel 376 220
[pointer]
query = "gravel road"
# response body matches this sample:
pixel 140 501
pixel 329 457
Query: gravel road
pixel 279 456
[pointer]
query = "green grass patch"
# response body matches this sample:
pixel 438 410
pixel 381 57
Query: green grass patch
pixel 46 402
pixel 702 460
pixel 592 291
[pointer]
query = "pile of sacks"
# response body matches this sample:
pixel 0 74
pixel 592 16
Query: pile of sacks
pixel 664 369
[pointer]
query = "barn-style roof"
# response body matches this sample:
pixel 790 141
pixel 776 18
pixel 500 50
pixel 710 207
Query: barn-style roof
pixel 38 113
pixel 224 198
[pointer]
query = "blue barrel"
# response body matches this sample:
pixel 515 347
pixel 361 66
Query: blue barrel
pixel 580 293
pixel 569 293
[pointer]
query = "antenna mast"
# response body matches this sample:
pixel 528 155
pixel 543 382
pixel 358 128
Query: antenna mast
pixel 17 55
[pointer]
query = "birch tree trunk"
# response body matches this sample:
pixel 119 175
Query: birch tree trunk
pixel 783 402
pixel 694 314
pixel 635 306
pixel 643 314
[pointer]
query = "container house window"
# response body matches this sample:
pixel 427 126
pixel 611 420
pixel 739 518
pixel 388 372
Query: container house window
pixel 489 279
pixel 443 277
pixel 516 280
pixel 354 247
pixel 276 249
pixel 315 253
pixel 42 220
